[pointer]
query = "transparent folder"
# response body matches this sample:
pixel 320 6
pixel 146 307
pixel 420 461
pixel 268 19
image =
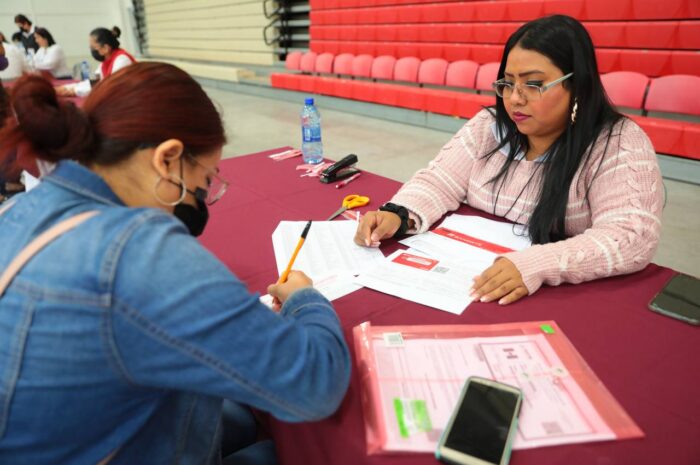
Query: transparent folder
pixel 410 375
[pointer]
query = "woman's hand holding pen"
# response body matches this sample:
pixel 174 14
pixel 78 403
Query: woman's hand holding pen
pixel 281 291
pixel 501 281
pixel 375 227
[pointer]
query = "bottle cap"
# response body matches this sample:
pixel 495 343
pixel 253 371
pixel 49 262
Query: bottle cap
pixel 308 101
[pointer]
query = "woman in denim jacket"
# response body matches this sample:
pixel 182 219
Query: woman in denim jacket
pixel 121 338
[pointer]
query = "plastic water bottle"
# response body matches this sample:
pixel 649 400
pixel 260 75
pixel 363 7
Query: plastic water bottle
pixel 30 59
pixel 311 145
pixel 84 70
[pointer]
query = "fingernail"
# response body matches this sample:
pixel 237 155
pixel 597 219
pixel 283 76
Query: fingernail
pixel 502 302
pixel 485 299
pixel 376 244
pixel 374 238
pixel 367 242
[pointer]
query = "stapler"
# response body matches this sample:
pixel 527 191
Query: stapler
pixel 340 170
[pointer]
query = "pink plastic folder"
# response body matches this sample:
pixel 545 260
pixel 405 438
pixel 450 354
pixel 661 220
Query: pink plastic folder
pixel 410 374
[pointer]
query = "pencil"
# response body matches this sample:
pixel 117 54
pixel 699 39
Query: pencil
pixel 285 275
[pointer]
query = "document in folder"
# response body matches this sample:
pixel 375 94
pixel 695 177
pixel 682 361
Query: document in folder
pixel 416 373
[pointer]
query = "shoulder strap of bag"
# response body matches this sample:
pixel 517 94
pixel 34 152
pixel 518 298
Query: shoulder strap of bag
pixel 35 246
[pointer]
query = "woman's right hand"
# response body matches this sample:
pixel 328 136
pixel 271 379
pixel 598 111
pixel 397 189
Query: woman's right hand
pixel 375 227
pixel 64 91
pixel 281 292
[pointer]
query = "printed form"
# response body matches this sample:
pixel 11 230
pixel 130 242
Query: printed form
pixel 472 241
pixel 438 269
pixel 420 381
pixel 413 276
pixel 329 256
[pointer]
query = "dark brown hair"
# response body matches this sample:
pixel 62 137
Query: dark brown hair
pixel 143 104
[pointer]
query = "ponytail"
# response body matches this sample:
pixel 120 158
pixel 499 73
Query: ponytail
pixel 54 130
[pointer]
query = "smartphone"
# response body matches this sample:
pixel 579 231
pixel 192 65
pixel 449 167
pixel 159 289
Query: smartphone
pixel 679 299
pixel 482 427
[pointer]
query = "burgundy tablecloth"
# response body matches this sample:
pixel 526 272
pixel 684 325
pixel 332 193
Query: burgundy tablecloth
pixel 646 360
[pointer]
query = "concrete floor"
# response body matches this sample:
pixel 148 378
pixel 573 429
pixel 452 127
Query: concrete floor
pixel 397 150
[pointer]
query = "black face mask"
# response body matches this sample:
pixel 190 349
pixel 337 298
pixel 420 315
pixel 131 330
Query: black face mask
pixel 96 55
pixel 195 218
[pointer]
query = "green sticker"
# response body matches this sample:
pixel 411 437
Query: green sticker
pixel 547 329
pixel 412 417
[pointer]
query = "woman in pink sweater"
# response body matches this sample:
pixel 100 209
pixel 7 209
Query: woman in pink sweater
pixel 553 154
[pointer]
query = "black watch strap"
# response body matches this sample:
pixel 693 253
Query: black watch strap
pixel 403 214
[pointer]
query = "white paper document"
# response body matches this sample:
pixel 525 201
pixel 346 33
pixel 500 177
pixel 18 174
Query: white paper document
pixel 329 256
pixel 333 286
pixel 472 241
pixel 426 376
pixel 416 277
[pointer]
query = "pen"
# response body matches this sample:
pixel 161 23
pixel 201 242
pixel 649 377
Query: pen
pixel 285 275
pixel 348 180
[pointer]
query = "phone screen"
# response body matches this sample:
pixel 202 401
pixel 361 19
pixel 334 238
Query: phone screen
pixel 680 297
pixel 481 425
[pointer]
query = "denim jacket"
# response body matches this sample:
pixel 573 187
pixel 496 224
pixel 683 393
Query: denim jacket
pixel 125 334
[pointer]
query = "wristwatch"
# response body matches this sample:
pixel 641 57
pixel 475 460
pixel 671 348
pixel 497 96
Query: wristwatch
pixel 403 214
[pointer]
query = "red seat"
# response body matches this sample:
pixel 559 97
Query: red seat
pixel 324 63
pixel 665 134
pixel 685 62
pixel 564 7
pixel 666 9
pixel 625 88
pixel 462 73
pixel 648 34
pixel 343 63
pixel 674 94
pixel 406 69
pixel 691 141
pixel 455 103
pixel 607 60
pixel 650 62
pixel 688 35
pixel 308 62
pixel 432 71
pixel 607 10
pixel 293 61
pixel 383 67
pixel 362 65
pixel 607 33
pixel 486 75
pixel 490 11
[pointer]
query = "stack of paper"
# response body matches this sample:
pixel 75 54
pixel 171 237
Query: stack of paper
pixel 329 256
pixel 438 269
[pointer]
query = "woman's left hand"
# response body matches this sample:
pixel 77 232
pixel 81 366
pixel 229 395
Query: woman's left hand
pixel 501 281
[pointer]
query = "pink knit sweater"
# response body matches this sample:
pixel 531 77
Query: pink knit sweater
pixel 615 232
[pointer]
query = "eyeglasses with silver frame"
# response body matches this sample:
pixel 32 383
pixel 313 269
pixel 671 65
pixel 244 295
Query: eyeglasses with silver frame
pixel 531 92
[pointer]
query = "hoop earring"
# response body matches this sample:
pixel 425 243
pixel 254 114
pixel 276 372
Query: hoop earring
pixel 183 193
pixel 573 111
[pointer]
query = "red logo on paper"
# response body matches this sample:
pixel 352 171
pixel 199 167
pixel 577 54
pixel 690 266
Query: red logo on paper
pixel 415 261
pixel 491 247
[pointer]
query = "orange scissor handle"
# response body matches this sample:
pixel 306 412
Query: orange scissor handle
pixel 354 201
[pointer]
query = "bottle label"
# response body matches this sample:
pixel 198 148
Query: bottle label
pixel 311 134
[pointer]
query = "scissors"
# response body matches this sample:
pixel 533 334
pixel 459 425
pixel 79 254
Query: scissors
pixel 350 202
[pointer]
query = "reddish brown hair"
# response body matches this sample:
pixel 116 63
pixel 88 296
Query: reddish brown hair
pixel 141 105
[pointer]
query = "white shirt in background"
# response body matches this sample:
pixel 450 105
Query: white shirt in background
pixel 52 59
pixel 16 63
pixel 83 88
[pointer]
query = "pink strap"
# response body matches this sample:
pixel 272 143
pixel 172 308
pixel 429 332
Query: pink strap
pixel 37 244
